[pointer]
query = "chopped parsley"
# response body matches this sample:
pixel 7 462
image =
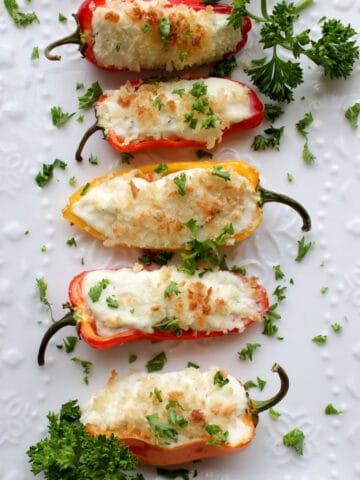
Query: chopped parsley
pixel 227 230
pixel 303 249
pixel 198 89
pixel 171 289
pixel 270 317
pixel 35 53
pixel 146 28
pixel 192 365
pixel 161 430
pixel 289 177
pixel 96 290
pixel 169 324
pixel 62 18
pixel 93 160
pixel 80 119
pixel 248 351
pixel 21 19
pixel 224 68
pixel 271 139
pixel 352 114
pixel 190 119
pixel 179 91
pixel 156 363
pixel 157 394
pixel 301 126
pixel 183 56
pixel 69 344
pixel 159 257
pixel 279 274
pixel 331 410
pixel 180 181
pixel 91 96
pixel 272 112
pixel 112 302
pixel 58 117
pixel 164 28
pixel 72 181
pixel 85 189
pixel 274 414
pixel 132 357
pixel 209 121
pixel 79 86
pixel 279 293
pixel 207 250
pixel 200 104
pixel 161 168
pixel 336 327
pixel 42 288
pixel 158 103
pixel 71 242
pixel 218 436
pixel 220 380
pixel 43 248
pixel 192 225
pixel 47 173
pixel 260 384
pixel 178 473
pixel 219 172
pixel 86 366
pixel 323 290
pixel 295 439
pixel 319 339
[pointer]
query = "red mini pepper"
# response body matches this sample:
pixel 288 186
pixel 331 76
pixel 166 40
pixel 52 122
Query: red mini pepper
pixel 171 114
pixel 172 37
pixel 83 318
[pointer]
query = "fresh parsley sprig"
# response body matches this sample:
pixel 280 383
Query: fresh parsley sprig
pixel 91 96
pixel 335 51
pixel 21 19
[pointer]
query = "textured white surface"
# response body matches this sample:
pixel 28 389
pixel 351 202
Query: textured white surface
pixel 329 189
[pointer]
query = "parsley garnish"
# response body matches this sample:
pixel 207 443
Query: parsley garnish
pixel 62 18
pixel 161 168
pixel 35 53
pixel 279 274
pixel 352 114
pixel 274 414
pixel 96 290
pixel 220 380
pixel 178 473
pixel 85 189
pixel 157 394
pixel 20 18
pixel 158 103
pixel 91 96
pixel 260 384
pixel 71 242
pixel 59 118
pixel 86 366
pixel 126 157
pixel 227 230
pixel 207 250
pixel 161 430
pixel 279 293
pixel 331 410
pixel 159 257
pixel 270 141
pixel 93 160
pixel 301 126
pixel 219 172
pixel 248 350
pixel 192 365
pixel 303 249
pixel 335 51
pixel 132 358
pixel 44 177
pixel 69 343
pixel 183 56
pixel 269 318
pixel 289 177
pixel 72 181
pixel 336 327
pixel 190 119
pixel 80 119
pixel 164 28
pixel 323 290
pixel 171 289
pixel 112 302
pixel 192 225
pixel 167 324
pixel 224 68
pixel 179 91
pixel 70 452
pixel 320 339
pixel 198 89
pixel 157 363
pixel 272 112
pixel 42 287
pixel 180 181
pixel 146 28
pixel 295 439
pixel 79 86
pixel 218 436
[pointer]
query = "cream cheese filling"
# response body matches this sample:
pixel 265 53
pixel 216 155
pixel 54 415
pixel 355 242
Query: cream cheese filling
pixel 142 299
pixel 128 35
pixel 148 211
pixel 124 404
pixel 170 110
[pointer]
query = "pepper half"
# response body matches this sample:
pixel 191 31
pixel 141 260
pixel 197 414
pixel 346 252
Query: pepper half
pixel 176 427
pixel 112 307
pixel 165 211
pixel 174 113
pixel 134 35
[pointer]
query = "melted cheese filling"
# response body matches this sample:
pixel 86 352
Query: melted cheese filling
pixel 169 110
pixel 138 34
pixel 147 211
pixel 125 402
pixel 219 301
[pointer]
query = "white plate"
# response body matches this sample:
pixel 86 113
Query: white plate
pixel 329 189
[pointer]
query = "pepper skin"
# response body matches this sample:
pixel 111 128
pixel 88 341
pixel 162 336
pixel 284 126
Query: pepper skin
pixel 143 112
pixel 178 40
pixel 159 453
pixel 82 316
pixel 165 229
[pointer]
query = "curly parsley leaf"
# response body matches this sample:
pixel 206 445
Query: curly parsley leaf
pixel 86 367
pixel 44 177
pixel 274 414
pixel 303 249
pixel 158 257
pixel 59 118
pixel 248 351
pixel 224 68
pixel 180 182
pixel 42 288
pixel 171 289
pixel 21 19
pixel 220 380
pixel 271 139
pixel 331 410
pixel 156 363
pixel 96 290
pixel 272 112
pixel 91 96
pixel 269 318
pixel 352 114
pixel 295 439
pixel 69 452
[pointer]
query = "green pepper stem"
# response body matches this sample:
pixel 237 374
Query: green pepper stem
pixel 72 38
pixel 268 196
pixel 261 405
pixel 94 128
pixel 66 321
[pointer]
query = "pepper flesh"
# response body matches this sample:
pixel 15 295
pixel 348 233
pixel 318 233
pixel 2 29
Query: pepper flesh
pixel 84 35
pixel 82 317
pixel 173 103
pixel 242 169
pixel 151 452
